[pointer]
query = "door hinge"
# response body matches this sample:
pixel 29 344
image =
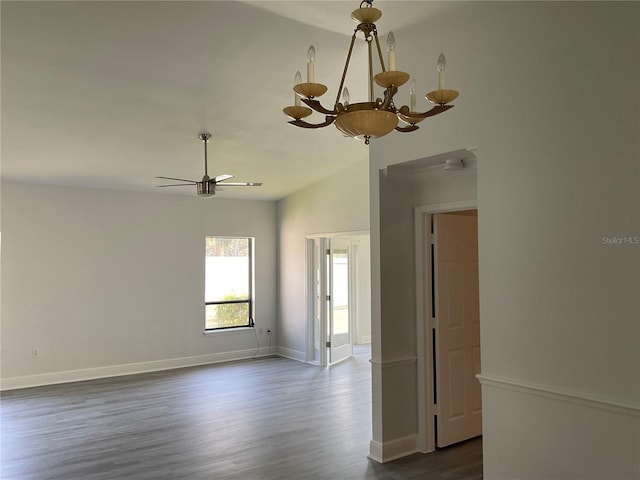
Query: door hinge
pixel 328 344
pixel 328 298
pixel 436 410
pixel 328 252
pixel 433 322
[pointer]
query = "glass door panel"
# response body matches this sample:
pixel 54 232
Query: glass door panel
pixel 339 307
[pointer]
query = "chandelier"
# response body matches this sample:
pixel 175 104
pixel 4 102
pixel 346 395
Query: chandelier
pixel 378 116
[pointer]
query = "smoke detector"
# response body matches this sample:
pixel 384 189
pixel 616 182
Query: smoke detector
pixel 453 164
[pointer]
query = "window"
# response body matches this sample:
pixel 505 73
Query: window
pixel 228 285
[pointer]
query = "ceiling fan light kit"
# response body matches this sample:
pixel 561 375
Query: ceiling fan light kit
pixel 207 186
pixel 376 117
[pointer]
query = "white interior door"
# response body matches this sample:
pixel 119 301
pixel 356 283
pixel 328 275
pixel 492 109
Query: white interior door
pixel 457 342
pixel 339 304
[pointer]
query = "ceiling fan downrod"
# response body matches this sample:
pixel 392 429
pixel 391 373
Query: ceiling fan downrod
pixel 205 137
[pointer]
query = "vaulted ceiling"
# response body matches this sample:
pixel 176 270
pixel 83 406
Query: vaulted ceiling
pixel 113 94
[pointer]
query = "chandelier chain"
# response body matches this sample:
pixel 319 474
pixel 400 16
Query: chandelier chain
pixel 346 67
pixel 375 33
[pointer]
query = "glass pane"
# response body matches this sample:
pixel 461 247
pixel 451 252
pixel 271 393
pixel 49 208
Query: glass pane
pixel 340 294
pixel 226 269
pixel 317 265
pixel 227 315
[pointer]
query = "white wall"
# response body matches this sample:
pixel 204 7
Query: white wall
pixel 558 169
pixel 363 280
pixel 105 282
pixel 337 204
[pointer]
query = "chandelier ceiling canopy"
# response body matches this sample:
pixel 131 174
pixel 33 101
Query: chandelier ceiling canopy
pixel 377 116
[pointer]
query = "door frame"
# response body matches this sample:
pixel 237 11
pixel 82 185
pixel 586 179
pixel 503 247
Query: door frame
pixel 426 441
pixel 309 282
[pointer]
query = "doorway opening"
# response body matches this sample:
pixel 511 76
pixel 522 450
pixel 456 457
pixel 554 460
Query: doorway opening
pixel 338 296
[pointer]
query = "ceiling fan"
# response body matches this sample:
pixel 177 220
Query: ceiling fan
pixel 207 186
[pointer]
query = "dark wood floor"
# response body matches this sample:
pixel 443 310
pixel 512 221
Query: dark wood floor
pixel 262 419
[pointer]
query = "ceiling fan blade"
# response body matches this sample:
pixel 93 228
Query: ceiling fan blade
pixel 242 184
pixel 176 185
pixel 178 179
pixel 222 178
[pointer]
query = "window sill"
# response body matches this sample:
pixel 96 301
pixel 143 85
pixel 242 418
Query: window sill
pixel 228 331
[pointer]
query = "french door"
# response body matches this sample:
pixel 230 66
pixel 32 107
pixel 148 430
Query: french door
pixel 331 285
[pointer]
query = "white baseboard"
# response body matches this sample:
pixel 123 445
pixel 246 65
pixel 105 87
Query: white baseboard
pixel 292 354
pixel 12 383
pixel 393 449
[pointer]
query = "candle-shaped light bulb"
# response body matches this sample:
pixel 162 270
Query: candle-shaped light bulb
pixel 311 55
pixel 442 63
pixel 297 80
pixel 391 50
pixel 412 96
pixel 345 96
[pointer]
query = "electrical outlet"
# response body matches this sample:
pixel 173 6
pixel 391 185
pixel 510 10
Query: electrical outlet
pixel 34 353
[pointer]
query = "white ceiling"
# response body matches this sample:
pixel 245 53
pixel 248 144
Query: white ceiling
pixel 112 94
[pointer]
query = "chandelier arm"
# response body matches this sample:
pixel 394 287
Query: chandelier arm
pixel 408 128
pixel 301 123
pixel 346 67
pixel 388 98
pixel 317 106
pixel 434 111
